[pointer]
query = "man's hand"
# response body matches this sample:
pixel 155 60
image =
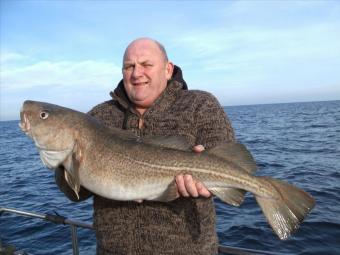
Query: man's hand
pixel 187 186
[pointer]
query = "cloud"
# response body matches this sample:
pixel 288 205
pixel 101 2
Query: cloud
pixel 7 57
pixel 249 63
pixel 261 36
pixel 75 74
pixel 263 57
pixel 223 45
pixel 75 84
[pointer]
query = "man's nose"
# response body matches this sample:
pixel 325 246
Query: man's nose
pixel 137 71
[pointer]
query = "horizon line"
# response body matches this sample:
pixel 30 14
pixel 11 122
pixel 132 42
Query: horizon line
pixel 223 106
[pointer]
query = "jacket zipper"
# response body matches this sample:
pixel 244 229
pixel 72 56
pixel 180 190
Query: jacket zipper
pixel 140 123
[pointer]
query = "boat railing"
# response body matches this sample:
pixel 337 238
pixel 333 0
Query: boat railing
pixel 58 219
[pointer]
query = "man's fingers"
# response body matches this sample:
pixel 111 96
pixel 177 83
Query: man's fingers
pixel 181 186
pixel 198 148
pixel 190 185
pixel 202 190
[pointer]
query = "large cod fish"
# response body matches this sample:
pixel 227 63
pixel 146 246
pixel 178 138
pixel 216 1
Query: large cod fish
pixel 118 165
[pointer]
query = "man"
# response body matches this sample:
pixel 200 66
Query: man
pixel 153 100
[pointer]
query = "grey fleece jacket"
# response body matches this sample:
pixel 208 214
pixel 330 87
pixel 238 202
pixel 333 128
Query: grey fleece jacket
pixel 183 226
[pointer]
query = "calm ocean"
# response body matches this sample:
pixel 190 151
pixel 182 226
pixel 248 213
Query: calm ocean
pixel 297 142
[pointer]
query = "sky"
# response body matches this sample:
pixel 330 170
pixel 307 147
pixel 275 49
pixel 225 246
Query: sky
pixel 243 52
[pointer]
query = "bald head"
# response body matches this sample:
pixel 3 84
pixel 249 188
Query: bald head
pixel 148 42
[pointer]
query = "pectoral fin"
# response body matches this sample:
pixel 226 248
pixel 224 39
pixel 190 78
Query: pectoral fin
pixel 171 193
pixel 71 165
pixel 73 183
pixel 230 196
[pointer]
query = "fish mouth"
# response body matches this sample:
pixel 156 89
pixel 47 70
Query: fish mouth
pixel 24 123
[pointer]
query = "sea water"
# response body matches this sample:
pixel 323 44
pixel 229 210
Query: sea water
pixel 296 142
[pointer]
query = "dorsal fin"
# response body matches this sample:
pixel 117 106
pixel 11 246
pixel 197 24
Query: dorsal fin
pixel 236 153
pixel 168 141
pixel 125 134
pixel 172 142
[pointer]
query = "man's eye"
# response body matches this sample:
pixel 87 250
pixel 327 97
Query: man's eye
pixel 128 67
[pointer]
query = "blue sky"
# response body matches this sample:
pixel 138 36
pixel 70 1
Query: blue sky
pixel 244 52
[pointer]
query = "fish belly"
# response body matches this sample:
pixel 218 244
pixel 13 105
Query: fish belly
pixel 134 190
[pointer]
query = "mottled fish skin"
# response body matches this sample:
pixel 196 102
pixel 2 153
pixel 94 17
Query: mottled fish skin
pixel 118 165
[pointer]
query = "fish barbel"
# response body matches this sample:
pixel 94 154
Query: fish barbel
pixel 116 164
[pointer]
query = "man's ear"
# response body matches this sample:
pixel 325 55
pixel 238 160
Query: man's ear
pixel 169 70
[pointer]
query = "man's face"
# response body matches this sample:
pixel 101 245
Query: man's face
pixel 145 73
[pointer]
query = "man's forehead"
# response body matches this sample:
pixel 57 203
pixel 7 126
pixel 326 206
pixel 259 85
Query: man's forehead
pixel 139 54
pixel 142 50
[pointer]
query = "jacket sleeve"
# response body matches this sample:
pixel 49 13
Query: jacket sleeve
pixel 212 124
pixel 65 188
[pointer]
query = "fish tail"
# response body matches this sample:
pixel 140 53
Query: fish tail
pixel 285 212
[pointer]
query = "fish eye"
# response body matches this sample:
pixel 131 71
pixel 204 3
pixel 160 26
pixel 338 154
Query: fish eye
pixel 43 115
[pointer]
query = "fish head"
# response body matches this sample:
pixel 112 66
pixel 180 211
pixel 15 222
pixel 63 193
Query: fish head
pixel 50 128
